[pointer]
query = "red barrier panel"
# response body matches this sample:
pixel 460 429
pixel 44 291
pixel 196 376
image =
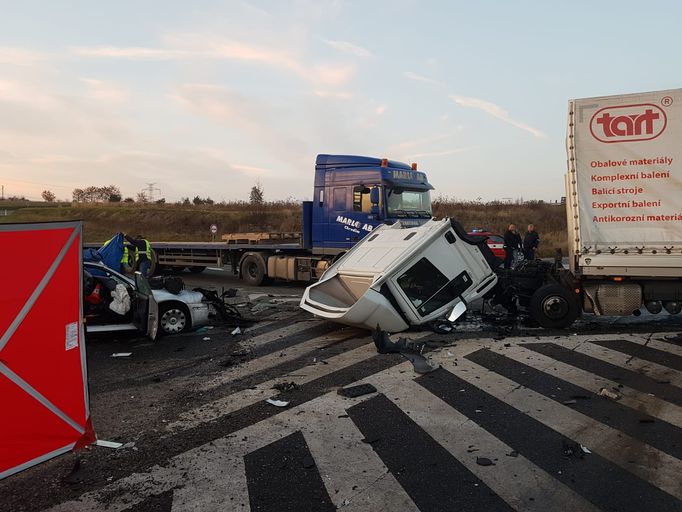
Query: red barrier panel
pixel 43 374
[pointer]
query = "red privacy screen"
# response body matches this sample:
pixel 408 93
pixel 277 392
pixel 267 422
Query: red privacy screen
pixel 43 375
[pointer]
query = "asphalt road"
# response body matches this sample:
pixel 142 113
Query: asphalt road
pixel 512 419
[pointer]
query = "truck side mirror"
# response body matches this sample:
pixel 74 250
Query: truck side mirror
pixel 374 198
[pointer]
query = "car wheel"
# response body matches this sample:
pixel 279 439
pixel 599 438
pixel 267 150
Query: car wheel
pixel 174 318
pixel 554 307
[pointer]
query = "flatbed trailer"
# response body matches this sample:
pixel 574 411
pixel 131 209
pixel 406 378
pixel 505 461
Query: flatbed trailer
pixel 351 196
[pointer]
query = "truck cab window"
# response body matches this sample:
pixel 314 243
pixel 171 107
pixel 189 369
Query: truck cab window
pixel 403 203
pixel 361 202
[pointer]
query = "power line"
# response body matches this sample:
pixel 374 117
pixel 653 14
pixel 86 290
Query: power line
pixel 149 191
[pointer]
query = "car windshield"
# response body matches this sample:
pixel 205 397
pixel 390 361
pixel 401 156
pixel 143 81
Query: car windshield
pixel 402 203
pixel 101 270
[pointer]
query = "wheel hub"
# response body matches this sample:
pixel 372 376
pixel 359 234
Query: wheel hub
pixel 173 321
pixel 555 307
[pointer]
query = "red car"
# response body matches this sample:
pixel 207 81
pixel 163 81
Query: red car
pixel 495 241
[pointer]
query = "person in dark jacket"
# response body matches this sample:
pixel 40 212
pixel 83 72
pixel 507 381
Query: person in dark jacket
pixel 530 243
pixel 512 242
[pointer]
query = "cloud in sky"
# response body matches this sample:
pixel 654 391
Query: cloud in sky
pixel 421 78
pixel 18 56
pixel 442 153
pixel 495 111
pixel 193 46
pixel 100 90
pixel 251 117
pixel 347 47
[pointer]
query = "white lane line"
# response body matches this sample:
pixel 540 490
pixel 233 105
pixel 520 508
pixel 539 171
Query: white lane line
pixel 647 368
pixel 670 348
pixel 276 358
pixel 354 475
pixel 514 479
pixel 225 405
pixel 287 330
pixel 217 484
pixel 196 487
pixel 642 402
pixel 602 439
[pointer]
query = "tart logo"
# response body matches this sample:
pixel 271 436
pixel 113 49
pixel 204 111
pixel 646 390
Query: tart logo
pixel 628 123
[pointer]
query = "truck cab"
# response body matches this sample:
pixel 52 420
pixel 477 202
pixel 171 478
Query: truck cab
pixel 354 194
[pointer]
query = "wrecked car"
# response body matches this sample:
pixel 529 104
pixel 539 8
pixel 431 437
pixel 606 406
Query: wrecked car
pixel 400 276
pixel 115 302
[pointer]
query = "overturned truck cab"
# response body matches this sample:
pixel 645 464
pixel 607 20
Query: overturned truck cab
pixel 400 276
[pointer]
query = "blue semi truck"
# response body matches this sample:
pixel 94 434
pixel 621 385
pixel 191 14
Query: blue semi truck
pixel 351 195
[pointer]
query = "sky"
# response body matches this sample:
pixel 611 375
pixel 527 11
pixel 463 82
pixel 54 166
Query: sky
pixel 207 98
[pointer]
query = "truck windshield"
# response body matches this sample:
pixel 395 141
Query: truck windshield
pixel 402 203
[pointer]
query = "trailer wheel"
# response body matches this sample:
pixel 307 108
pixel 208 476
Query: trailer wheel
pixel 553 307
pixel 253 270
pixel 196 270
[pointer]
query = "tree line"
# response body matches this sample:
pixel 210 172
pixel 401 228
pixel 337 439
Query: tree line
pixel 112 194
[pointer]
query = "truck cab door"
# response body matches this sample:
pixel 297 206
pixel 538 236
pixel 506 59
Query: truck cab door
pixel 145 308
pixel 341 230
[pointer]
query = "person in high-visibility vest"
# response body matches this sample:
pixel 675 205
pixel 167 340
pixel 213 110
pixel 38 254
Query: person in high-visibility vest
pixel 125 262
pixel 143 253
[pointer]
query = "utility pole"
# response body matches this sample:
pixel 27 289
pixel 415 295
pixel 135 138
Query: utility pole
pixel 150 191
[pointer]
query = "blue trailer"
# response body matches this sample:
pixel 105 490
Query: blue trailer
pixel 351 195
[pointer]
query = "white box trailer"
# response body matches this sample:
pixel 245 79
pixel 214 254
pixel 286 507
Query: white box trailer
pixel 624 201
pixel 401 276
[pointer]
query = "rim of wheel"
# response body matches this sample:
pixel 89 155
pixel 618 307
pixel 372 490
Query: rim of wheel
pixel 173 321
pixel 555 307
pixel 252 269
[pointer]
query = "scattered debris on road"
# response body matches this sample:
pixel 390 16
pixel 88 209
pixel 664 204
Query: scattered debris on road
pixel 277 403
pixel 121 354
pixel 285 386
pixel 108 444
pixel 609 394
pixel 236 331
pixel 355 391
pixel 484 461
pixel 407 349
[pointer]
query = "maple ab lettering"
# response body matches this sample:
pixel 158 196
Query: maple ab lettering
pixel 354 224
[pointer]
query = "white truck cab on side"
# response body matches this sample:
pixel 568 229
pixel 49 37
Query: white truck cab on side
pixel 397 277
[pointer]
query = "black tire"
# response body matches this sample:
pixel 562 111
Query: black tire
pixel 174 318
pixel 196 270
pixel 554 307
pixel 338 256
pixel 253 270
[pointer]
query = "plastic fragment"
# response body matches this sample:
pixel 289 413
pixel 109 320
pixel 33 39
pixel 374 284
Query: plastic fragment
pixel 108 444
pixel 121 354
pixel 277 403
pixel 236 331
pixel 609 394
